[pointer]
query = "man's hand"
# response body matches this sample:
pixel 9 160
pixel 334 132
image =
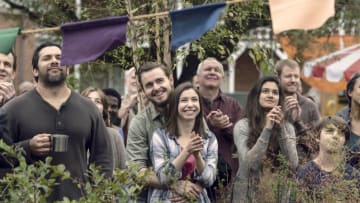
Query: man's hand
pixel 7 92
pixel 123 112
pixel 186 191
pixel 218 119
pixel 292 108
pixel 40 144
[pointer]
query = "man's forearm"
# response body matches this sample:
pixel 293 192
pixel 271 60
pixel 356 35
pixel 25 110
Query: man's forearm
pixel 151 179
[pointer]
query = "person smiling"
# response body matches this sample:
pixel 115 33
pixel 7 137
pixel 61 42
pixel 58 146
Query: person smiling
pixel 221 113
pixel 183 150
pixel 7 76
pixel 260 137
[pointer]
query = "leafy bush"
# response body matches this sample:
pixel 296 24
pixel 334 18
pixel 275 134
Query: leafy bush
pixel 33 183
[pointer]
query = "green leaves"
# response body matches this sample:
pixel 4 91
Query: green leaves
pixel 32 183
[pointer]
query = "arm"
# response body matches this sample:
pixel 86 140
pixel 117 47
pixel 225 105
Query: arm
pixel 235 115
pixel 13 134
pixel 137 149
pixel 164 168
pixel 208 175
pixel 7 92
pixel 257 153
pixel 232 114
pixel 315 114
pixel 138 142
pixel 100 148
pixel 288 144
pixel 4 131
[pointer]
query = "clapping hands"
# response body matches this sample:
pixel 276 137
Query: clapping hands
pixel 7 91
pixel 195 145
pixel 292 108
pixel 275 116
pixel 218 119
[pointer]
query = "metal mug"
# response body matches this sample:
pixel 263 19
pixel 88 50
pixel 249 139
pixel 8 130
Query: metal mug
pixel 59 142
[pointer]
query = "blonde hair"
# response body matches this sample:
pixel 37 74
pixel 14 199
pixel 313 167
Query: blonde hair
pixel 279 66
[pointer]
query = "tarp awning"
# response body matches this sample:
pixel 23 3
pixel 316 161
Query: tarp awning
pixel 330 73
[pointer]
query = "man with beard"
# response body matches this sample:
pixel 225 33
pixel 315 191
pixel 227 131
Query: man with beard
pixel 221 112
pixel 328 178
pixel 53 108
pixel 157 83
pixel 7 75
pixel 302 112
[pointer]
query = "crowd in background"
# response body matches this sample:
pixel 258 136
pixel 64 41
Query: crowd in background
pixel 193 142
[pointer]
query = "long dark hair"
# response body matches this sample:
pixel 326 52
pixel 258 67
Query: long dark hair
pixel 171 124
pixel 349 88
pixel 257 114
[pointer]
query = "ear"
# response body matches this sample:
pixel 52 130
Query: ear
pixel 13 75
pixel 171 78
pixel 349 93
pixel 35 72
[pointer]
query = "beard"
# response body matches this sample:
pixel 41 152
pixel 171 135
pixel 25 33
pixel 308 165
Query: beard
pixel 52 80
pixel 162 104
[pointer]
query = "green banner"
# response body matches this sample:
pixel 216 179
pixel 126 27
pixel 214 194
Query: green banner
pixel 7 39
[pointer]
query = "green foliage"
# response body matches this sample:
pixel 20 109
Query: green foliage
pixel 263 58
pixel 236 21
pixel 32 183
pixel 29 183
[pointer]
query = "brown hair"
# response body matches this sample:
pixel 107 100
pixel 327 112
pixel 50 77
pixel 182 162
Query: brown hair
pixel 173 113
pixel 148 66
pixel 338 122
pixel 105 112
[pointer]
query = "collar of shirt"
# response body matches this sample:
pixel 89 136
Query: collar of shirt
pixel 155 114
pixel 219 97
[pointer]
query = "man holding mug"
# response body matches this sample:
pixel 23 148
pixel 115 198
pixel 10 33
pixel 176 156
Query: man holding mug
pixel 53 108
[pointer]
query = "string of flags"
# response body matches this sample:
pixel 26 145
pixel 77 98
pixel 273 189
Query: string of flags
pixel 85 41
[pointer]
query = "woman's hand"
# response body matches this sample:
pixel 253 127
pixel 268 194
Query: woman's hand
pixel 275 116
pixel 195 145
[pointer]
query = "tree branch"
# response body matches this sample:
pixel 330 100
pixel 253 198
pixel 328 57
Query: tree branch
pixel 22 8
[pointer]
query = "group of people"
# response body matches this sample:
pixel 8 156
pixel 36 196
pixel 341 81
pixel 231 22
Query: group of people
pixel 193 142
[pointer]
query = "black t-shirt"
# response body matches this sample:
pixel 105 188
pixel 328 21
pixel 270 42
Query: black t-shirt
pixel 353 150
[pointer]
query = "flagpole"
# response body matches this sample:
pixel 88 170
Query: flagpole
pixel 139 17
pixel 48 29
